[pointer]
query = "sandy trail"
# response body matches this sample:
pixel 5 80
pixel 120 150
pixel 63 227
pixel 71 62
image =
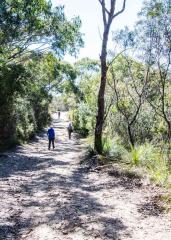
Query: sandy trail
pixel 47 195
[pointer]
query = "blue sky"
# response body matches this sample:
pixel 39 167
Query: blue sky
pixel 90 14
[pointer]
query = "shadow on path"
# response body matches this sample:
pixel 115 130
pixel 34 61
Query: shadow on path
pixel 41 187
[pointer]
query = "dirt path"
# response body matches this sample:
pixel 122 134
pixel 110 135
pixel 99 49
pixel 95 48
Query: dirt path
pixel 47 195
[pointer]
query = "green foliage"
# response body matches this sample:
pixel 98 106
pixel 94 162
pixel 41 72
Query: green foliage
pixel 117 149
pixel 23 23
pixel 106 145
pixel 28 78
pixel 135 155
pixel 137 100
pixel 83 105
pixel 25 120
pixel 25 100
pixel 154 159
pixel 11 82
pixel 79 122
pixel 26 95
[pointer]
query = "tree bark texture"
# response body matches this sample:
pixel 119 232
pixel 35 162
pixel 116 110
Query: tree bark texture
pixel 108 16
pixel 101 95
pixel 131 138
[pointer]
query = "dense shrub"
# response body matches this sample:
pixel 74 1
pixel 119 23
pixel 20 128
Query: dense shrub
pixel 24 103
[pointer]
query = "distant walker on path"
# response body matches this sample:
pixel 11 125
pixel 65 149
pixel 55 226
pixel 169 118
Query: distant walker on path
pixel 70 129
pixel 51 137
pixel 59 114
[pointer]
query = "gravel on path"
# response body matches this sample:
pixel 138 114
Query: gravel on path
pixel 48 195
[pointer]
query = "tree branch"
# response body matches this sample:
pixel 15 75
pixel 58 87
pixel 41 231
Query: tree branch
pixel 121 11
pixel 108 109
pixel 117 56
pixel 102 2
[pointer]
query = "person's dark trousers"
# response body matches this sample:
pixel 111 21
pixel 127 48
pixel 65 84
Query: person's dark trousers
pixel 51 141
pixel 69 134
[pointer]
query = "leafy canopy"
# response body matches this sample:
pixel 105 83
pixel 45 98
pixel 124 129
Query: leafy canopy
pixel 23 23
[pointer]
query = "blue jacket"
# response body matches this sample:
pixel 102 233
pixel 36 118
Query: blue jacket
pixel 51 133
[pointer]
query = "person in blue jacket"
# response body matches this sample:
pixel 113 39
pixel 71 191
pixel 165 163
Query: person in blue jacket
pixel 51 137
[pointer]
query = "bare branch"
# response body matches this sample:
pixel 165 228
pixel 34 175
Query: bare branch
pixel 127 87
pixel 117 97
pixel 132 76
pixel 23 54
pixel 108 109
pixel 102 2
pixel 155 108
pixel 141 96
pixel 121 11
pixel 120 53
pixel 112 10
